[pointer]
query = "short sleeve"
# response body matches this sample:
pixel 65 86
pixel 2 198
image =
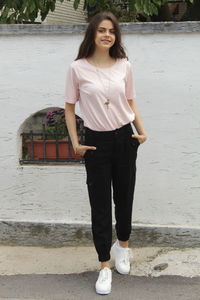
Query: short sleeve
pixel 71 86
pixel 130 82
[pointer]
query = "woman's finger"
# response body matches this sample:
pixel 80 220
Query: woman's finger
pixel 136 136
pixel 91 148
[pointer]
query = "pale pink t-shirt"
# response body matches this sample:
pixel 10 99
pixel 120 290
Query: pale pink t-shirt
pixel 91 86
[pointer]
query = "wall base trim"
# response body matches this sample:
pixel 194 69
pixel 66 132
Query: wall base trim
pixel 63 234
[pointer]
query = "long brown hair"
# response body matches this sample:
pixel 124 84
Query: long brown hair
pixel 87 46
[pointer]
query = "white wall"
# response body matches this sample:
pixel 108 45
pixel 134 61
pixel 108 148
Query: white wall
pixel 166 67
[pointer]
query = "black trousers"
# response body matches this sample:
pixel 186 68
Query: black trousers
pixel 112 166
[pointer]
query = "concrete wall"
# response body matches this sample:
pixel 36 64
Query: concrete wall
pixel 166 65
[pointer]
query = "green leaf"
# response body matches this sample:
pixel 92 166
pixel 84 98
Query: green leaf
pixel 154 10
pixel 76 4
pixel 145 9
pixel 2 3
pixel 138 8
pixel 41 5
pixel 16 4
pixel 32 7
pixel 131 4
pixel 25 17
pixel 44 13
pixel 140 4
pixel 20 19
pixel 32 17
pixel 85 4
pixel 52 6
pixel 92 3
pixel 26 13
pixel 5 12
pixel 12 18
pixel 158 2
pixel 23 6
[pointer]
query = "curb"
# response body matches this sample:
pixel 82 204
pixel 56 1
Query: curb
pixel 74 234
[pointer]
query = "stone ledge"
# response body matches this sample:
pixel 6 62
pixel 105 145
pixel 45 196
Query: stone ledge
pixel 63 234
pixel 138 27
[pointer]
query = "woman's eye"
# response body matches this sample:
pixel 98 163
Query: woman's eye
pixel 102 30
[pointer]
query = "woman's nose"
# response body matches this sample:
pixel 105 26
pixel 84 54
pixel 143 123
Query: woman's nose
pixel 107 33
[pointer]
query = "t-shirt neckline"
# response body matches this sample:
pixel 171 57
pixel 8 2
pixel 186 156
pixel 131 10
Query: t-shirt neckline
pixel 104 68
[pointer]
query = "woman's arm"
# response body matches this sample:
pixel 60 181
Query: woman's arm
pixel 71 123
pixel 71 126
pixel 142 135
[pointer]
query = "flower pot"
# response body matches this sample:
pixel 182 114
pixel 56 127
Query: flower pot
pixel 65 150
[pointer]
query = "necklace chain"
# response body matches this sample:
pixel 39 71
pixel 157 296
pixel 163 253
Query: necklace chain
pixel 107 103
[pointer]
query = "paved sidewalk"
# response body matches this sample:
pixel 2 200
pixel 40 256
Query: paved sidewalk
pixel 70 273
pixel 81 287
pixel 67 260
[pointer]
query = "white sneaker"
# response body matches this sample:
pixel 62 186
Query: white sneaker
pixel 103 284
pixel 122 258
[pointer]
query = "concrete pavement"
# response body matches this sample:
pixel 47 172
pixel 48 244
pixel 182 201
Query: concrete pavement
pixel 69 273
pixel 81 287
pixel 16 260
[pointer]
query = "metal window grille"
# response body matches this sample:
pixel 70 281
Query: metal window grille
pixel 50 148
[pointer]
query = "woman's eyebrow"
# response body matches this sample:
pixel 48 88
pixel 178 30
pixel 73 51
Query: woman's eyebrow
pixel 105 28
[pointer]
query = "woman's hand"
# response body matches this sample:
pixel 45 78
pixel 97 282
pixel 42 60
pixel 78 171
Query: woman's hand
pixel 81 149
pixel 141 137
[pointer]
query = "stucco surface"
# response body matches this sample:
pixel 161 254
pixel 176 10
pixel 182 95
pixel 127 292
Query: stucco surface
pixel 166 67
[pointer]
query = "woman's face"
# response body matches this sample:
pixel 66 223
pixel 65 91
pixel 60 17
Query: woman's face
pixel 105 35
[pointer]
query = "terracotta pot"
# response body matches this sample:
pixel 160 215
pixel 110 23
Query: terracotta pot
pixel 64 149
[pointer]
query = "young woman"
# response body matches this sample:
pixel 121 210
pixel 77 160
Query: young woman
pixel 101 78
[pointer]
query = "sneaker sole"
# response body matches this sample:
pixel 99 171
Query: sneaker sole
pixel 103 293
pixel 123 273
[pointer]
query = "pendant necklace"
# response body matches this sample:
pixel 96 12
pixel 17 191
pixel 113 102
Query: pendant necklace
pixel 107 103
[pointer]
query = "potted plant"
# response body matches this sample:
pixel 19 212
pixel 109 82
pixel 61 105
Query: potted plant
pixel 54 139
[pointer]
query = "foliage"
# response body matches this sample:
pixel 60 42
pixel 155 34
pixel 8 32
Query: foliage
pixel 125 10
pixel 25 11
pixel 193 11
pixel 55 122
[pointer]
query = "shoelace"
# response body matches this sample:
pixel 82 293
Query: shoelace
pixel 104 274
